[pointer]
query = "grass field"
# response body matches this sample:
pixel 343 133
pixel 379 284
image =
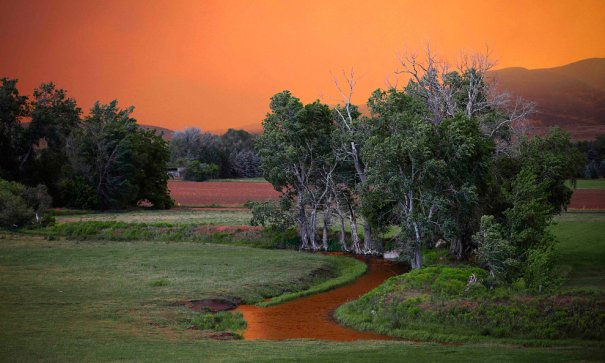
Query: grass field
pixel 590 183
pixel 581 249
pixel 70 300
pixel 97 301
pixel 224 217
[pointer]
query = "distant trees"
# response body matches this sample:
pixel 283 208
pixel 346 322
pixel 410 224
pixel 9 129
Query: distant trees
pixel 232 154
pixel 103 161
pixel 594 151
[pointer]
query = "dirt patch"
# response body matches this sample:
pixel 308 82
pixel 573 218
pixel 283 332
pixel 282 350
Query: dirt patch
pixel 223 336
pixel 210 305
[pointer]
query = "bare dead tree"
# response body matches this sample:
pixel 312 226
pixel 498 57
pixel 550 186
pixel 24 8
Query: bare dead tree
pixel 350 149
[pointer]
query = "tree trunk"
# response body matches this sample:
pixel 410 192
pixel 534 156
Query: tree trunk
pixel 343 233
pixel 313 231
pixel 456 248
pixel 416 258
pixel 302 227
pixel 354 235
pixel 417 249
pixel 368 246
pixel 326 230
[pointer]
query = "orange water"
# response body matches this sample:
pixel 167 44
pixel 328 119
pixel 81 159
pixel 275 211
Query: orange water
pixel 312 316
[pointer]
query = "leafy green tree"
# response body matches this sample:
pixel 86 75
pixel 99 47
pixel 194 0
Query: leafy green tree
pixel 54 118
pixel 296 156
pixel 120 162
pixel 428 173
pixel 13 107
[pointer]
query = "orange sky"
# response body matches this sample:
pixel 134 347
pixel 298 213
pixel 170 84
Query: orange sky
pixel 214 64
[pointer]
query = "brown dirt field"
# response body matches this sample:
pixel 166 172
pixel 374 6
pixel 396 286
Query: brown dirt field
pixel 588 199
pixel 230 194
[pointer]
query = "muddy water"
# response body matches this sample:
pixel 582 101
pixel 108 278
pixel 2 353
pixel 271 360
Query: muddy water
pixel 312 316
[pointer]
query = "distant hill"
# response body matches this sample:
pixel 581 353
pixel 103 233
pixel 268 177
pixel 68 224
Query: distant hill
pixel 166 133
pixel 570 96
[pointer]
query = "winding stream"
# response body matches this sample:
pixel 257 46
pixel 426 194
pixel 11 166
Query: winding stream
pixel 312 316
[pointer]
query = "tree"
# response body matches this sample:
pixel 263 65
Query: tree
pixel 13 108
pixel 54 118
pixel 351 133
pixel 295 152
pixel 120 162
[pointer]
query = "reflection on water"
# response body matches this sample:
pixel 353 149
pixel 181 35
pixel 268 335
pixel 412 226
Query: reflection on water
pixel 311 316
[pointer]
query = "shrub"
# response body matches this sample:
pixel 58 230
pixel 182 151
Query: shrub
pixel 493 251
pixel 221 321
pixel 539 272
pixel 271 214
pixel 197 171
pixel 20 205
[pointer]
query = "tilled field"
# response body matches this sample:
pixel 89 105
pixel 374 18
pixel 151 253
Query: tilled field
pixel 588 199
pixel 229 194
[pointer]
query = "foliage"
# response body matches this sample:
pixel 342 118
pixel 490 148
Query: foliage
pixel 594 152
pixel 271 214
pixel 539 272
pixel 54 117
pixel 120 162
pixel 221 321
pixel 197 171
pixel 493 251
pixel 13 107
pixel 297 159
pixel 233 152
pixel 437 303
pixel 20 205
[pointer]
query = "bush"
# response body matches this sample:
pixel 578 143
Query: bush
pixel 20 205
pixel 197 171
pixel 271 214
pixel 493 251
pixel 539 272
pixel 221 321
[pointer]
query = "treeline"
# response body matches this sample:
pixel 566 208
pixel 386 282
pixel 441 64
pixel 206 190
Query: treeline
pixel 594 151
pixel 207 156
pixel 99 161
pixel 438 160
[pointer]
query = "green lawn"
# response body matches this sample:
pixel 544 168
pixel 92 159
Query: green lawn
pixel 590 183
pixel 581 248
pixel 175 216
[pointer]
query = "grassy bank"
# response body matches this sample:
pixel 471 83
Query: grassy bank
pixel 347 270
pixel 436 304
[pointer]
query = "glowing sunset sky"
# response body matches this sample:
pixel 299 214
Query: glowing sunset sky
pixel 214 64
